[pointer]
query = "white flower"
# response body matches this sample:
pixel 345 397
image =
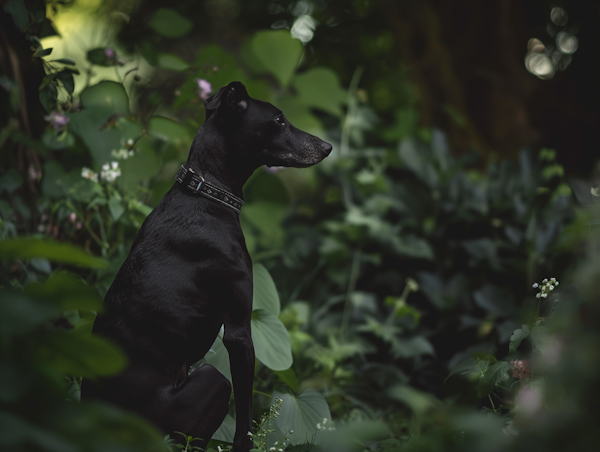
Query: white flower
pixel 545 280
pixel 219 448
pixel 556 283
pixel 122 154
pixel 110 171
pixel 551 287
pixel 250 434
pixel 87 173
pixel 544 295
pixel 535 285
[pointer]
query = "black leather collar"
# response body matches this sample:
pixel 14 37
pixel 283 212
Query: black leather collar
pixel 196 184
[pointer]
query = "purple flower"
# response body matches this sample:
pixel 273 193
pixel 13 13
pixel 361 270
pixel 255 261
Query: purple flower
pixel 204 88
pixel 57 120
pixel 109 52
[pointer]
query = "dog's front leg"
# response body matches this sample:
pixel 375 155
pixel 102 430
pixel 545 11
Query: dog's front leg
pixel 238 340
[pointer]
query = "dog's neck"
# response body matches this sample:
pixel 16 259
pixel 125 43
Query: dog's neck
pixel 209 159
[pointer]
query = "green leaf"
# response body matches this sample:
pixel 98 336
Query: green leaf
pixel 86 322
pixel 278 53
pixel 218 357
pixel 352 436
pixel 78 354
pixel 492 377
pixel 104 123
pixel 412 246
pixel 517 337
pixel 265 294
pixel 169 23
pixel 419 402
pixel 411 347
pixel 416 157
pixel 402 309
pixel 47 97
pixel 271 340
pixel 301 414
pixel 320 88
pixel 20 313
pixel 68 61
pixel 66 291
pixel 54 140
pixel 289 377
pixel 99 57
pixel 495 300
pixel 266 217
pixel 171 62
pixel 27 248
pixel 67 80
pixel 226 431
pixel 10 181
pixel 463 368
pixel 116 208
pixel 19 13
pixel 47 79
pixel 41 52
pixel 176 134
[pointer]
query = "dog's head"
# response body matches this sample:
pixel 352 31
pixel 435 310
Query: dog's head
pixel 260 132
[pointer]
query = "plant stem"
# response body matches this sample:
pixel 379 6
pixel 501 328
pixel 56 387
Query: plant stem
pixel 346 128
pixel 262 393
pixel 492 402
pixel 351 285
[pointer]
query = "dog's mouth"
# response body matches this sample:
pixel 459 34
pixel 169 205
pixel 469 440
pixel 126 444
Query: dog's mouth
pixel 304 159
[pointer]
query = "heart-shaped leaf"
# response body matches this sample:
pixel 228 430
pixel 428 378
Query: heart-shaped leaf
pixel 271 340
pixel 265 294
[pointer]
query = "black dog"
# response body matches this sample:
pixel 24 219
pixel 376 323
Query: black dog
pixel 188 272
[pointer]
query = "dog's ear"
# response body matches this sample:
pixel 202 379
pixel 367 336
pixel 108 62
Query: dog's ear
pixel 230 98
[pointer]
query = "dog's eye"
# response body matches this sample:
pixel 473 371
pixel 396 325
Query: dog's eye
pixel 280 120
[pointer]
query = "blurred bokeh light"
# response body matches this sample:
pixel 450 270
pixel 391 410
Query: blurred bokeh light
pixel 544 61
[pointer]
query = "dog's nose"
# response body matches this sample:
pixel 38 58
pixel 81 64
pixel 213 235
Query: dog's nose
pixel 326 148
